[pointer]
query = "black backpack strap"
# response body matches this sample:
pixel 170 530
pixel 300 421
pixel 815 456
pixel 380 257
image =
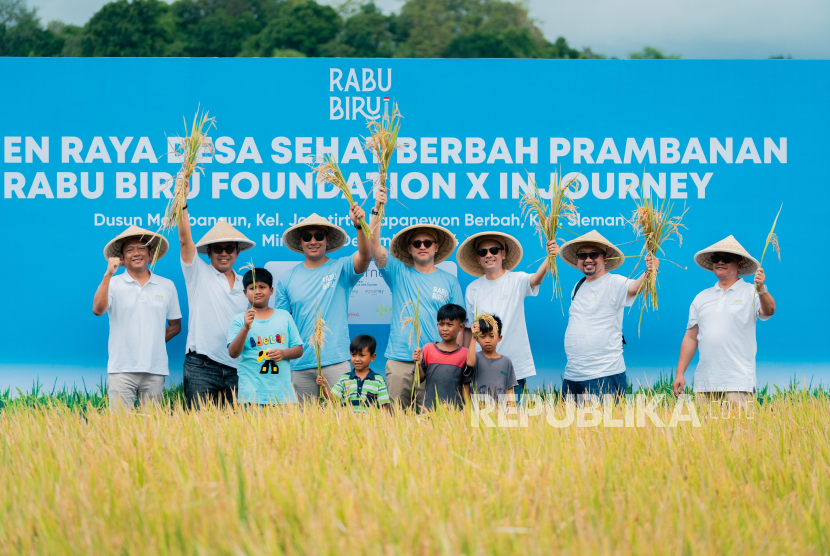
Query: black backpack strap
pixel 576 289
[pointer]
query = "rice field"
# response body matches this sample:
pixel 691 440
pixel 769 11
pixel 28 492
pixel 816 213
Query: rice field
pixel 76 479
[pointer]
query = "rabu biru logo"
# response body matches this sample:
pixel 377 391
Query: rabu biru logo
pixel 352 104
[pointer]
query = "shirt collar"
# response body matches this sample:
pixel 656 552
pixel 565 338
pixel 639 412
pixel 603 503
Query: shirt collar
pixel 128 277
pixel 237 280
pixel 370 376
pixel 734 286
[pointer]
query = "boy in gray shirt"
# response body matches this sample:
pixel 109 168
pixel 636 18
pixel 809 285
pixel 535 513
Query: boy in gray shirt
pixel 492 374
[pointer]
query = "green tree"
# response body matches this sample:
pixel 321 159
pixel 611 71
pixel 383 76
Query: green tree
pixel 21 33
pixel 301 25
pixel 214 27
pixel 651 53
pixel 122 28
pixel 366 34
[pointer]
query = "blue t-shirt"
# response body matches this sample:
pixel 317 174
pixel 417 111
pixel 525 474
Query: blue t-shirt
pixel 330 286
pixel 261 380
pixel 436 290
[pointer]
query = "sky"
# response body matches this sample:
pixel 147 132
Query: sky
pixel 691 28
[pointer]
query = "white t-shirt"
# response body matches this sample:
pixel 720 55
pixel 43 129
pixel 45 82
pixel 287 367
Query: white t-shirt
pixel 726 337
pixel 505 298
pixel 138 319
pixel 212 306
pixel 593 339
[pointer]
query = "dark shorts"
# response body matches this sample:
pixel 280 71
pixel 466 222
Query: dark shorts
pixel 615 385
pixel 208 381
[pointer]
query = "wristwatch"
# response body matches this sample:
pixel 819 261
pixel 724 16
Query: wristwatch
pixel 763 290
pixel 375 212
pixel 356 226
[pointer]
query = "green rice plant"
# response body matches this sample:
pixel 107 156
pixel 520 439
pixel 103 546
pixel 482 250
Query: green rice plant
pixel 772 239
pixel 550 216
pixel 382 143
pixel 328 171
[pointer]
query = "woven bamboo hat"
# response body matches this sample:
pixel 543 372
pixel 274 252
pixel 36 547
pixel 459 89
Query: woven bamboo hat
pixel 728 245
pixel 113 248
pixel 399 245
pixel 468 258
pixel 222 232
pixel 569 249
pixel 337 235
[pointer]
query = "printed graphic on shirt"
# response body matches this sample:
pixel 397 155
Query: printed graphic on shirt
pixel 440 294
pixel 260 341
pixel 269 365
pixel 329 281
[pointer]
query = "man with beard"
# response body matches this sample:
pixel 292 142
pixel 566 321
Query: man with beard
pixel 323 286
pixel 594 338
pixel 411 275
pixel 215 295
pixel 722 322
pixel 144 314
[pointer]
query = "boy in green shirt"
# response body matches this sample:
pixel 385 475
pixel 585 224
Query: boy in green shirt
pixel 362 387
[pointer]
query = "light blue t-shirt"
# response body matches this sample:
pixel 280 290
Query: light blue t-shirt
pixel 261 380
pixel 330 286
pixel 436 290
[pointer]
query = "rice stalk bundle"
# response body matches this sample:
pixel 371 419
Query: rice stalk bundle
pixel 654 224
pixel 490 322
pixel 250 266
pixel 328 171
pixel 382 143
pixel 772 239
pixel 415 321
pixel 318 341
pixel 550 217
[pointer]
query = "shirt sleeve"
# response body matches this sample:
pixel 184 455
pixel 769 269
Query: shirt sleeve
pixel 391 271
pixel 383 392
pixel 235 327
pixel 626 301
pixel 693 315
pixel 456 296
pixel 281 300
pixel 469 298
pixel 110 295
pixel 523 284
pixel 191 271
pixel 294 338
pixel 348 273
pixel 174 312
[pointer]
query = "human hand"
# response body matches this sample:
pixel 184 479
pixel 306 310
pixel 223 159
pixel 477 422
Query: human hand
pixel 249 318
pixel 760 277
pixel 356 213
pixel 652 263
pixel 112 265
pixel 274 355
pixel 553 248
pixel 475 329
pixel 416 356
pixel 679 385
pixel 380 196
pixel 321 380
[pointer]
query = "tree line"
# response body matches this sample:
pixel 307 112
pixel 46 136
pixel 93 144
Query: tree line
pixel 290 28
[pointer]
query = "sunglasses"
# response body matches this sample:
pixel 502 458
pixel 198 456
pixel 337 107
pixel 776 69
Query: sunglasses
pixel 492 250
pixel 220 249
pixel 725 257
pixel 593 255
pixel 319 236
pixel 427 243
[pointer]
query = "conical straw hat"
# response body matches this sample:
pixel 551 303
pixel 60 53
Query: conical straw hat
pixel 468 258
pixel 113 248
pixel 222 232
pixel 613 256
pixel 728 245
pixel 399 245
pixel 337 235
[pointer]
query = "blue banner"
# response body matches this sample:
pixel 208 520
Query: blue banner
pixel 86 149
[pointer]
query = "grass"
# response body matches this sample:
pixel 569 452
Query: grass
pixel 321 480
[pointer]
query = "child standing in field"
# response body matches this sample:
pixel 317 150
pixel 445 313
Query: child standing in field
pixel 265 340
pixel 443 363
pixel 361 388
pixel 492 374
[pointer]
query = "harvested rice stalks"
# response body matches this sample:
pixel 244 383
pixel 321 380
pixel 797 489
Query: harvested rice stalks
pixel 250 266
pixel 328 171
pixel 415 321
pixel 549 218
pixel 382 143
pixel 772 239
pixel 654 223
pixel 490 321
pixel 318 341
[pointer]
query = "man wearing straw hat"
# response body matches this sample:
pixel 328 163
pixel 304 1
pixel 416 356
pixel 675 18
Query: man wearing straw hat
pixel 144 314
pixel 722 325
pixel 501 291
pixel 594 338
pixel 411 275
pixel 320 287
pixel 215 295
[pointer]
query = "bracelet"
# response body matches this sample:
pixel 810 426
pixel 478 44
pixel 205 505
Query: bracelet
pixel 356 226
pixel 374 212
pixel 763 291
pixel 184 207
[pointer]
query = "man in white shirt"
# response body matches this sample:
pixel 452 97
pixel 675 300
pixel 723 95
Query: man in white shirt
pixel 594 338
pixel 215 295
pixel 501 291
pixel 144 314
pixel 722 323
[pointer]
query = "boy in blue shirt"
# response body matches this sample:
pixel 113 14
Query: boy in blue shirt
pixel 265 340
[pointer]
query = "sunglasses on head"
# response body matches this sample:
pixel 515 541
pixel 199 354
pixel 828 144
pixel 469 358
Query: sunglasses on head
pixel 427 243
pixel 725 257
pixel 220 249
pixel 593 255
pixel 319 236
pixel 492 250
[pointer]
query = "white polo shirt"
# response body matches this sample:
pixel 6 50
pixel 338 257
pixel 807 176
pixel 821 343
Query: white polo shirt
pixel 726 337
pixel 593 339
pixel 138 319
pixel 505 298
pixel 212 305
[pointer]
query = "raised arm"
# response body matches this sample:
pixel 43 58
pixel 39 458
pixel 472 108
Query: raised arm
pixel 238 343
pixel 688 348
pixel 767 301
pixel 379 252
pixel 101 300
pixel 635 285
pixel 539 276
pixel 188 248
pixel 364 249
pixel 471 351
